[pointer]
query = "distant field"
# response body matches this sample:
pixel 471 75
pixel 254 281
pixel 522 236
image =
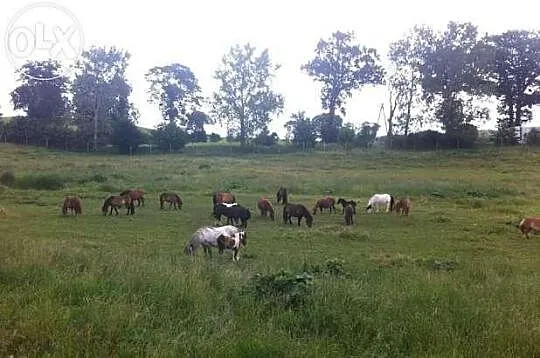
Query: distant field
pixel 454 279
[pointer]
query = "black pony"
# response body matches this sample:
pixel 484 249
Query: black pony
pixel 299 211
pixel 344 203
pixel 235 213
pixel 281 195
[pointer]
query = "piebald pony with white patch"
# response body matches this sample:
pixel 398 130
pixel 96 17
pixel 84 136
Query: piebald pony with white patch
pixel 207 237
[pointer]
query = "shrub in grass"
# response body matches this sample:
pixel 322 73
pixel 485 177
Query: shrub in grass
pixel 283 288
pixel 7 178
pixel 40 182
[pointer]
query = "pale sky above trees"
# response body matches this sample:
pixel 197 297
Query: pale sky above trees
pixel 198 33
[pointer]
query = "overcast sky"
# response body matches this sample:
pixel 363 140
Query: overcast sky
pixel 197 33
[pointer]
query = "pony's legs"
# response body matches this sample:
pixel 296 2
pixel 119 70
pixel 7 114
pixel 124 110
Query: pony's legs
pixel 299 219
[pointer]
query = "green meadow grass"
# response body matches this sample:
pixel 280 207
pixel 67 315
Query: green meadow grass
pixel 455 279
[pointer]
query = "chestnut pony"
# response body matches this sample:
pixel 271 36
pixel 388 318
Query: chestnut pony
pixel 117 201
pixel 223 197
pixel 172 199
pixel 73 204
pixel 325 203
pixel 266 208
pixel 135 194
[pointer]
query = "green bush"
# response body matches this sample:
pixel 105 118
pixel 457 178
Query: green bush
pixel 283 288
pixel 7 178
pixel 40 182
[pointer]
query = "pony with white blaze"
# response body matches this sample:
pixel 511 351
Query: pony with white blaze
pixel 207 237
pixel 378 201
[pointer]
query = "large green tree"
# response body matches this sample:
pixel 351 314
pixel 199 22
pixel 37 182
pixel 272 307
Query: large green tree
pixel 175 89
pixel 45 102
pixel 245 100
pixel 453 72
pixel 514 68
pixel 342 67
pixel 101 92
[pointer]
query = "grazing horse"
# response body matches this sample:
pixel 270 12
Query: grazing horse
pixel 299 211
pixel 222 197
pixel 233 243
pixel 207 237
pixel 403 205
pixel 282 195
pixel 233 212
pixel 265 206
pixel 529 224
pixel 172 199
pixel 379 200
pixel 135 194
pixel 348 213
pixel 344 204
pixel 117 201
pixel 325 203
pixel 73 204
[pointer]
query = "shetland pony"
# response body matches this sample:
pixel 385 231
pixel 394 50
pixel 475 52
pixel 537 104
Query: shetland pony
pixel 344 203
pixel 282 196
pixel 325 203
pixel 377 201
pixel 529 224
pixel 172 199
pixel 73 204
pixel 117 201
pixel 348 213
pixel 235 213
pixel 266 208
pixel 233 243
pixel 207 236
pixel 299 211
pixel 135 194
pixel 222 197
pixel 403 205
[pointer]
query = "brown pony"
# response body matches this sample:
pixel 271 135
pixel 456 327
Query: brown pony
pixel 299 211
pixel 73 204
pixel 344 204
pixel 223 197
pixel 117 201
pixel 325 203
pixel 403 206
pixel 281 195
pixel 348 213
pixel 266 207
pixel 172 199
pixel 135 194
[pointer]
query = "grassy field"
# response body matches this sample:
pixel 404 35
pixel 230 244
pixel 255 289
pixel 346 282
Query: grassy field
pixel 455 279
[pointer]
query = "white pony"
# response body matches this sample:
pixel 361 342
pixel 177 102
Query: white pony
pixel 207 237
pixel 379 200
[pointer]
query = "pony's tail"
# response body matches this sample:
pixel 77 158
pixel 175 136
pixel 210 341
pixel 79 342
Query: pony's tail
pixel 392 202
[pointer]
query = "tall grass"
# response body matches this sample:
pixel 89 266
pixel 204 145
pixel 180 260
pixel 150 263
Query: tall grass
pixel 454 279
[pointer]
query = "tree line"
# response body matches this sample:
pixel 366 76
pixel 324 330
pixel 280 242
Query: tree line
pixel 431 76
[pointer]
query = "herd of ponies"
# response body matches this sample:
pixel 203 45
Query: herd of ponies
pixel 233 235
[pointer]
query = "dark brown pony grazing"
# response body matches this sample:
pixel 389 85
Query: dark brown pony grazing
pixel 265 206
pixel 325 203
pixel 135 194
pixel 282 195
pixel 117 201
pixel 344 204
pixel 172 199
pixel 223 197
pixel 348 213
pixel 403 206
pixel 73 204
pixel 298 211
